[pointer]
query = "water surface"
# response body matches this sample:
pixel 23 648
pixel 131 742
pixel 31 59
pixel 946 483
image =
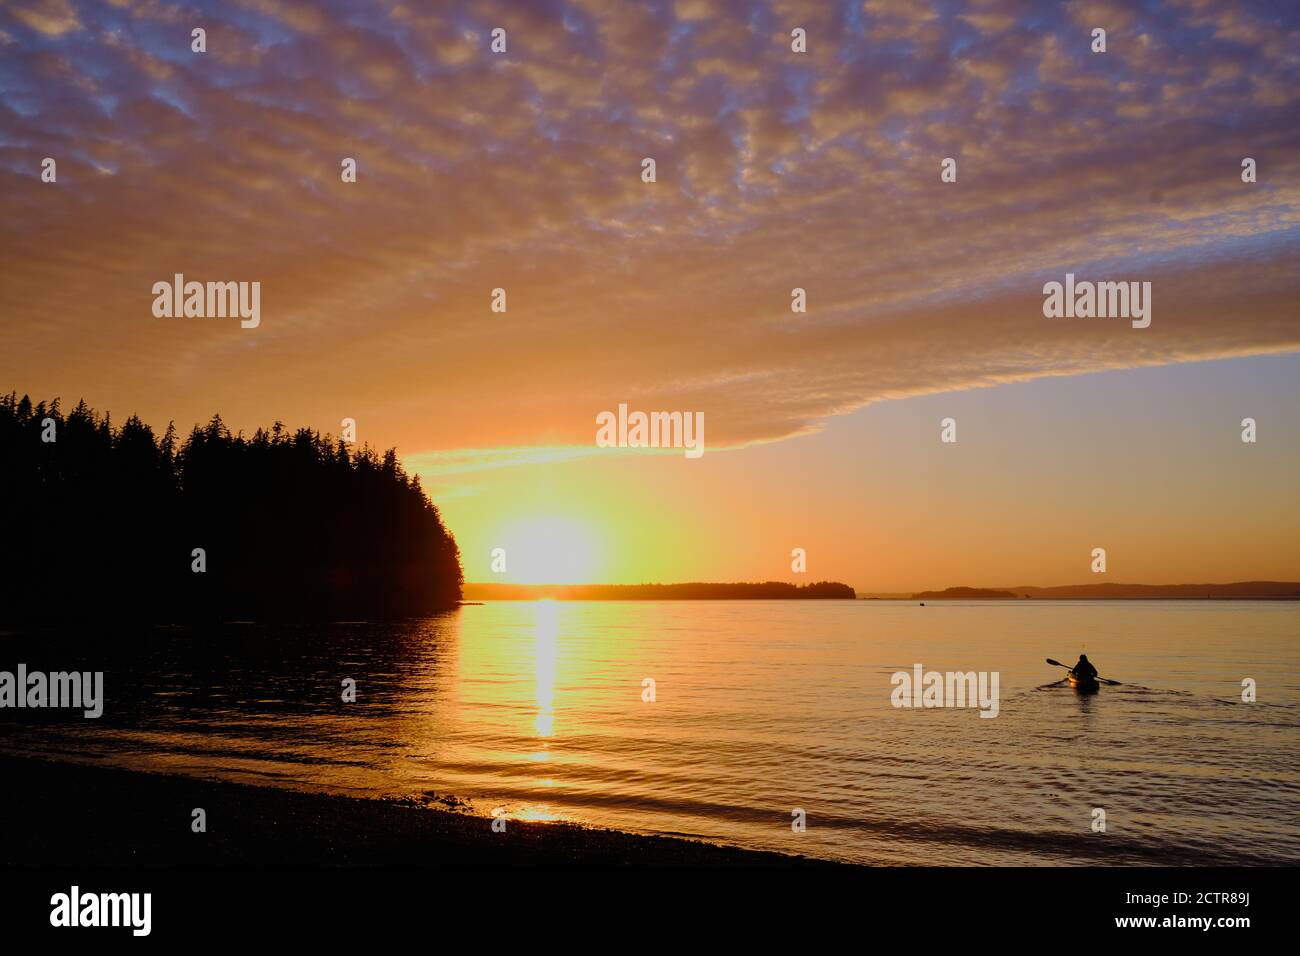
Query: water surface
pixel 761 708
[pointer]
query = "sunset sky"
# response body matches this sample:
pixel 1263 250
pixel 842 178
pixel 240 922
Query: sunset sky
pixel 776 170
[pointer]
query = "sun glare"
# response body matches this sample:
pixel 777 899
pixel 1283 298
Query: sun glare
pixel 550 549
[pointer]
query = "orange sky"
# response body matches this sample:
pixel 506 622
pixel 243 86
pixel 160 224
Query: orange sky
pixel 775 170
pixel 1147 464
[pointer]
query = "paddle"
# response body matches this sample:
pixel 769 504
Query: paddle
pixel 1100 680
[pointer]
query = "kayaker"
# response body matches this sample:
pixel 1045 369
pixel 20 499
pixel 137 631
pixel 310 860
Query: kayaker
pixel 1084 669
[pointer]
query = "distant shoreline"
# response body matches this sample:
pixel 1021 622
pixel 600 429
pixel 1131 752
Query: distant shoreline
pixel 477 592
pixel 690 591
pixel 1237 591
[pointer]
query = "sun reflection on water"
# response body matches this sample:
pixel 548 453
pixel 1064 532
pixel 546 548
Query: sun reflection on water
pixel 546 617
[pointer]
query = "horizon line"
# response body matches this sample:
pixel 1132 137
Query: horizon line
pixel 1018 587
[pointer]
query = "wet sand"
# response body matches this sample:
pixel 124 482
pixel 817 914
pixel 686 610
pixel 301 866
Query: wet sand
pixel 72 814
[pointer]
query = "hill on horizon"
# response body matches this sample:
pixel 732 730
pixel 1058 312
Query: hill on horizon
pixel 1239 590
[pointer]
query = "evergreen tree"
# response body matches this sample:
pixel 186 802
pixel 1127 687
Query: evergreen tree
pixel 103 521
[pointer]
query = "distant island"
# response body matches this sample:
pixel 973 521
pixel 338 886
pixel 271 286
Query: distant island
pixel 1239 591
pixel 107 524
pixel 966 594
pixel 695 591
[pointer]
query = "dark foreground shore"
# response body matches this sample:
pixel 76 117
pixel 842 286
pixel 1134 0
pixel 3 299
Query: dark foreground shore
pixel 66 814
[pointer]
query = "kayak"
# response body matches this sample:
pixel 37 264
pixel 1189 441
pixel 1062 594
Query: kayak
pixel 1084 685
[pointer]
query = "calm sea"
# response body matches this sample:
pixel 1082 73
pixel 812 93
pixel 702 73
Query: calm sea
pixel 761 709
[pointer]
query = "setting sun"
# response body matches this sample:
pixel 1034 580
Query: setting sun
pixel 549 549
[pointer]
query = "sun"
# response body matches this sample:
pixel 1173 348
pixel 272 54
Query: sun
pixel 551 549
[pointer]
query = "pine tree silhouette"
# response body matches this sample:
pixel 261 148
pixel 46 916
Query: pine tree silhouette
pixel 101 524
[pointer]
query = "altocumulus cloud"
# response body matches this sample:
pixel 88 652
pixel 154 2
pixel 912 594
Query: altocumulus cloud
pixel 521 171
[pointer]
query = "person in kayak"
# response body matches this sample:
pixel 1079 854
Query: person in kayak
pixel 1084 669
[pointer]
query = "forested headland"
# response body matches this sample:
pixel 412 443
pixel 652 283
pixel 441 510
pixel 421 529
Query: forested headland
pixel 116 523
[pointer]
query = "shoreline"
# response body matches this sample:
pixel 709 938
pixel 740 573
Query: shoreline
pixel 84 815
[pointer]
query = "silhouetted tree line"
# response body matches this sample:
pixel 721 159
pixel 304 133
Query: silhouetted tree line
pixel 102 523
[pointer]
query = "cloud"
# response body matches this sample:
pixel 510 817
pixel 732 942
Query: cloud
pixel 522 171
pixel 50 18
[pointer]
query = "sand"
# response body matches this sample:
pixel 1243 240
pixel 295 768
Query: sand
pixel 74 814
